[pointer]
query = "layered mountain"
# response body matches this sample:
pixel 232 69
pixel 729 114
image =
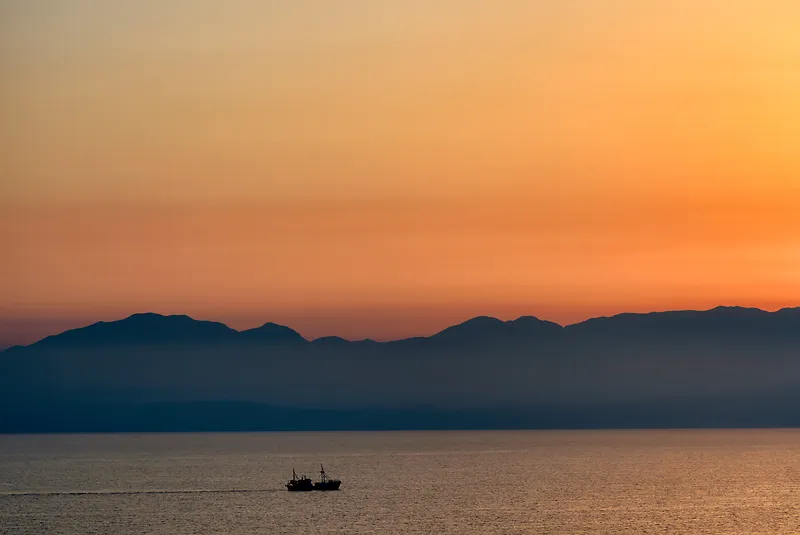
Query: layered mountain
pixel 721 367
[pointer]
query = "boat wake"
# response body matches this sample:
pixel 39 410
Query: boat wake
pixel 13 494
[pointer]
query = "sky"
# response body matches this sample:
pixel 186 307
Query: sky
pixel 385 169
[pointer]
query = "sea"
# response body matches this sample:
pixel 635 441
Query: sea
pixel 493 482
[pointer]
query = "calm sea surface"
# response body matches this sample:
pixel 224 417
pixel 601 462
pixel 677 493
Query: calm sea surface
pixel 404 482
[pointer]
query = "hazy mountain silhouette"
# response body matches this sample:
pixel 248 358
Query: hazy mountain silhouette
pixel 273 333
pixel 145 328
pixel 728 366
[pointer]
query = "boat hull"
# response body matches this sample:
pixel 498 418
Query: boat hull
pixel 327 485
pixel 299 485
pixel 299 489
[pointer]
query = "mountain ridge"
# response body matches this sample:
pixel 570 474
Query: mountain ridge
pixel 270 331
pixel 728 366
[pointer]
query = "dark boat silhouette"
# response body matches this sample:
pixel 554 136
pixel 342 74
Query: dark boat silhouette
pixel 326 483
pixel 299 484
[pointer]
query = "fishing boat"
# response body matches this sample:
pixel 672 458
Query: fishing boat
pixel 326 483
pixel 299 484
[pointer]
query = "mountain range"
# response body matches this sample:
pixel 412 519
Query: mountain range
pixel 725 367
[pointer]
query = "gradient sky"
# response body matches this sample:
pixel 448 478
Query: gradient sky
pixel 383 169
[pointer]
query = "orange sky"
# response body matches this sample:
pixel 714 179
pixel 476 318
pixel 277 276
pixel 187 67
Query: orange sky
pixel 386 168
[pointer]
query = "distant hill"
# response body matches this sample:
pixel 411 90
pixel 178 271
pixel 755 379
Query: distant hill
pixel 728 367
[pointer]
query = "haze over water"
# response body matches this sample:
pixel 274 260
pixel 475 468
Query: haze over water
pixel 720 481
